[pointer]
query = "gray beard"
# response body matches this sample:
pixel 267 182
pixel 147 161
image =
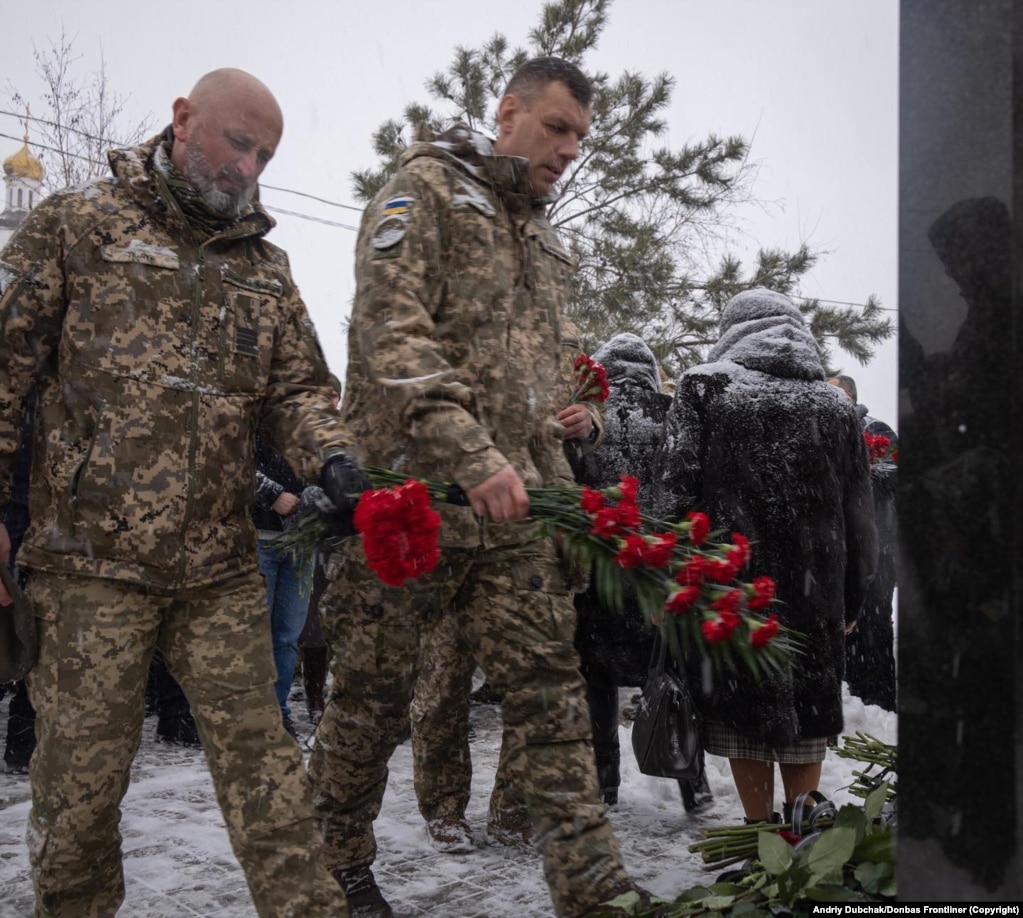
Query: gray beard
pixel 198 172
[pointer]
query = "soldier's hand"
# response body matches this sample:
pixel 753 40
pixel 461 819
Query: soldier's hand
pixel 501 497
pixel 577 421
pixel 342 482
pixel 286 504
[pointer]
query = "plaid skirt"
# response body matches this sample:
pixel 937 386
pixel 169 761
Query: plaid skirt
pixel 719 739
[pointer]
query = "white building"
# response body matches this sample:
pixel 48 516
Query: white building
pixel 23 180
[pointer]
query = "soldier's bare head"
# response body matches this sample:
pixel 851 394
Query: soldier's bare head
pixel 225 133
pixel 543 117
pixel 847 384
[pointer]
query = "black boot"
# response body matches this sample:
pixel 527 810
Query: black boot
pixel 21 731
pixel 609 775
pixel 364 897
pixel 178 729
pixel 697 796
pixel 603 701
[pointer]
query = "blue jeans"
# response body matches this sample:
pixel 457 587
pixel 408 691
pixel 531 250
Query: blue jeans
pixel 288 608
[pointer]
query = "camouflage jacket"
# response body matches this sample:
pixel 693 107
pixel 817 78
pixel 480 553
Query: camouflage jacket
pixel 459 358
pixel 156 358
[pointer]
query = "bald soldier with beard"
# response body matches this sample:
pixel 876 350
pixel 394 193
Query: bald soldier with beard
pixel 161 330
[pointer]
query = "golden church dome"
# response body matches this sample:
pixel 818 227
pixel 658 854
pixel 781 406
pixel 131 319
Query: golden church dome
pixel 24 164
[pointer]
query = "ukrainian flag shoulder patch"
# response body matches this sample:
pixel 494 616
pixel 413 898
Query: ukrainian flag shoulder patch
pixel 400 206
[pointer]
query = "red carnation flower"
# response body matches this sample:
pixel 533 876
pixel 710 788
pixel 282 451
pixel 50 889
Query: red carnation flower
pixel 659 552
pixel 729 603
pixel 763 593
pixel 627 512
pixel 606 523
pixel 591 381
pixel 591 501
pixel 740 552
pixel 683 600
pixel 629 488
pixel 693 571
pixel 721 628
pixel 399 532
pixel 763 635
pixel 723 570
pixel 699 528
pixel 632 553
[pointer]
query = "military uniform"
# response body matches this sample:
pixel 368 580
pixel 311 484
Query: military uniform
pixel 156 356
pixel 459 360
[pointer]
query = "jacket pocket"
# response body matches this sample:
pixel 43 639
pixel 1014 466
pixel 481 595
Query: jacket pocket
pixel 246 331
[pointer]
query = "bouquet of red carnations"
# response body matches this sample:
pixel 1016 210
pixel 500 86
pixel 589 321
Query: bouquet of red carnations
pixel 686 577
pixel 880 449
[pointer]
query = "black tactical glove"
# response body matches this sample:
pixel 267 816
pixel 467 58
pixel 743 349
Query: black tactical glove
pixel 342 482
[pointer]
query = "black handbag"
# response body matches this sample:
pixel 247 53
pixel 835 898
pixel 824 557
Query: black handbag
pixel 19 640
pixel 666 732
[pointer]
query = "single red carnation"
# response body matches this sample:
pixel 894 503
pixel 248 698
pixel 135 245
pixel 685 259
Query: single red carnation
pixel 740 551
pixel 699 528
pixel 606 523
pixel 763 593
pixel 591 501
pixel 628 488
pixel 763 635
pixel 659 551
pixel 632 553
pixel 693 571
pixel 729 603
pixel 723 570
pixel 683 600
pixel 627 514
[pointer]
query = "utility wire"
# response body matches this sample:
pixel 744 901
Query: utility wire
pixel 88 136
pixel 313 197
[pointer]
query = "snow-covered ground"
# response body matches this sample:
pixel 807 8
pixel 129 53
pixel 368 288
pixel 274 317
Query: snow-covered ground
pixel 178 863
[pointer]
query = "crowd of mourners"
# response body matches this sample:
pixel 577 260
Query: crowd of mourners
pixel 166 414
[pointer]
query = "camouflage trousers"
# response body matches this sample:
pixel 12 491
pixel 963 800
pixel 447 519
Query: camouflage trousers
pixel 515 616
pixel 96 638
pixel 439 715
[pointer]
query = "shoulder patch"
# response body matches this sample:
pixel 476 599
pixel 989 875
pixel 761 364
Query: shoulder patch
pixel 389 232
pixel 393 223
pixel 400 206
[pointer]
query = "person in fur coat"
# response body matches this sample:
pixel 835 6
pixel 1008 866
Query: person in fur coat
pixel 614 646
pixel 756 439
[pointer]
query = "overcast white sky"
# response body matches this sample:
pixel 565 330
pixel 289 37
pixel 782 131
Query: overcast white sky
pixel 814 84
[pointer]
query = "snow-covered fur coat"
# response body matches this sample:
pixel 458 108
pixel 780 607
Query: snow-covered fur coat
pixel 760 442
pixel 634 416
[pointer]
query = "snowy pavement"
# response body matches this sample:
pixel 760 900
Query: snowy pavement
pixel 178 863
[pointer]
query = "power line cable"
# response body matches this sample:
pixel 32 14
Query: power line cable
pixel 313 197
pixel 107 140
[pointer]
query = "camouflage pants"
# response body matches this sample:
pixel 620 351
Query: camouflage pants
pixel 96 638
pixel 439 714
pixel 515 616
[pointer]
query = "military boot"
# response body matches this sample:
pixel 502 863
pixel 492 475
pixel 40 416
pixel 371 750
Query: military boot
pixel 628 899
pixel 364 897
pixel 697 797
